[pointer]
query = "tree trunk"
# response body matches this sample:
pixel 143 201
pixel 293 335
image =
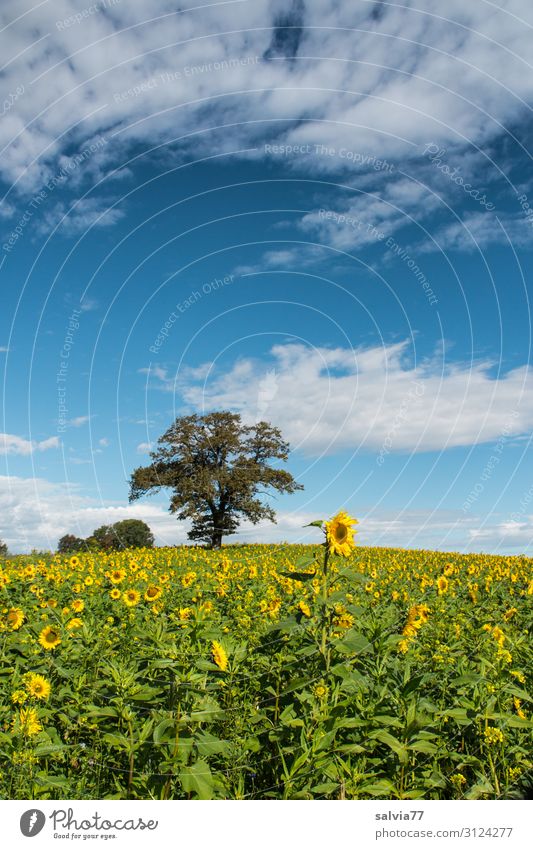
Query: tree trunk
pixel 216 536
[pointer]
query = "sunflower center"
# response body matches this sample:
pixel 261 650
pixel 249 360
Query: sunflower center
pixel 341 532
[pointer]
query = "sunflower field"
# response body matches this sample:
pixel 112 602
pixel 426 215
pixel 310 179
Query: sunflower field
pixel 266 672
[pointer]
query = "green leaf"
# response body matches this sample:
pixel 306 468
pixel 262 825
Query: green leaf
pixel 298 576
pixel 424 746
pixel 316 524
pixel 94 710
pixel 380 788
pixel 383 719
pixel 393 743
pixel 354 643
pixel 197 779
pixel 209 745
pixel 118 740
pixel 160 731
pixel 44 779
pixel 305 561
pixel 411 685
pixel 326 787
pixel 48 749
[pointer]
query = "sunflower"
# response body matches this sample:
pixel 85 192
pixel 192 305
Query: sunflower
pixel 117 575
pixel 29 722
pixel 442 584
pixel 77 605
pixel 88 581
pixel 218 653
pixel 15 617
pixel 38 686
pixel 114 593
pixel 49 637
pixel 303 607
pixel 131 597
pixel 152 593
pixel 340 534
pixel 74 623
pixel 74 561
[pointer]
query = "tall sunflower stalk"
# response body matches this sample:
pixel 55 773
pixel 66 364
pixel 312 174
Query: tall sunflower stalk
pixel 339 541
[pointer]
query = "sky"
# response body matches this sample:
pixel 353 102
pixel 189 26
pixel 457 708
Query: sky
pixel 318 214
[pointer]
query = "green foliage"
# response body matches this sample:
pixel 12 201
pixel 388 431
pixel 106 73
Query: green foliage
pixel 130 533
pixel 69 544
pixel 321 704
pixel 217 468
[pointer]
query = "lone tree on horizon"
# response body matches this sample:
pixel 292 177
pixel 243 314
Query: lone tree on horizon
pixel 217 468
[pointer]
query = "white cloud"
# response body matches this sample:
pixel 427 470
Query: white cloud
pixel 36 513
pixel 327 400
pixel 144 447
pixel 480 230
pixel 79 421
pixel 3 349
pixel 383 84
pixel 104 442
pixel 11 444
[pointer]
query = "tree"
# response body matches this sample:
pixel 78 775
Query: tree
pixel 217 468
pixel 130 533
pixel 69 544
pixel 3 549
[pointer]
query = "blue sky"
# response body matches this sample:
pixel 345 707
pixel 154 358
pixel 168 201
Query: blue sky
pixel 321 217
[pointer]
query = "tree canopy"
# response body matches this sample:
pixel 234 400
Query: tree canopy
pixel 217 468
pixel 129 533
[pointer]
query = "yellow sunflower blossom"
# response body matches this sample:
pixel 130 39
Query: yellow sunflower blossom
pixel 49 637
pixel 304 608
pixel 340 534
pixel 218 653
pixel 152 593
pixel 116 576
pixel 15 618
pixel 38 686
pixel 131 597
pixel 442 584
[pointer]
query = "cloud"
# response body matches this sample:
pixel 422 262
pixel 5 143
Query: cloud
pixel 85 213
pixel 327 400
pixel 104 442
pixel 3 349
pixel 386 78
pixel 479 231
pixel 144 447
pixel 368 217
pixel 11 444
pixel 291 257
pixel 79 421
pixel 36 513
